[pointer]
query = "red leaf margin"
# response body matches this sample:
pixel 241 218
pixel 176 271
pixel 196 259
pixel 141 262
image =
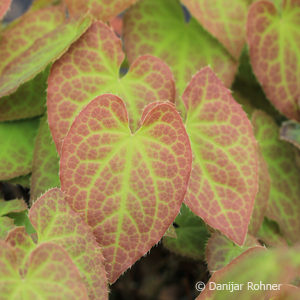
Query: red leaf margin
pixel 224 124
pixel 96 211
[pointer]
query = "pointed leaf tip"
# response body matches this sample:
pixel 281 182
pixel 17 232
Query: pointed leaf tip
pixel 224 178
pixel 128 187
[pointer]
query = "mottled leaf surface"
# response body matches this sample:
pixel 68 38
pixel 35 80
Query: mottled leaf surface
pixel 274 41
pixel 91 68
pixel 127 187
pixel 101 9
pixel 290 132
pixel 220 251
pixel 278 266
pixel 224 178
pixel 262 196
pixel 45 165
pixel 28 101
pixel 57 223
pixel 49 271
pixel 225 20
pixel 21 34
pixel 158 27
pixel 4 7
pixel 44 51
pixel 284 205
pixel 191 235
pixel 17 143
pixel 23 244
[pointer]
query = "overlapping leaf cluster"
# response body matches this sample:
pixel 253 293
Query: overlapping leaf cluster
pixel 133 130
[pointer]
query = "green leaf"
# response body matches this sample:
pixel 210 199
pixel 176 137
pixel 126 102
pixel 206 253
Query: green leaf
pixel 284 205
pixel 21 180
pixel 57 223
pixel 262 196
pixel 220 251
pixel 45 166
pixel 225 20
pixel 127 186
pixel 91 68
pixel 7 207
pixel 270 235
pixel 100 9
pixel 4 7
pixel 157 27
pixel 21 219
pixel 21 34
pixel 49 271
pixel 274 42
pixel 290 132
pixel 224 178
pixel 17 143
pixel 44 51
pixel 255 266
pixel 191 235
pixel 28 101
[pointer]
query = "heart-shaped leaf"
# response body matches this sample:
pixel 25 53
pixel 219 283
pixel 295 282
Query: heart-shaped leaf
pixel 49 271
pixel 4 7
pixel 42 52
pixel 57 223
pixel 224 180
pixel 45 165
pixel 274 41
pixel 91 68
pixel 17 143
pixel 127 187
pixel 158 27
pixel 101 9
pixel 220 251
pixel 226 20
pixel 284 205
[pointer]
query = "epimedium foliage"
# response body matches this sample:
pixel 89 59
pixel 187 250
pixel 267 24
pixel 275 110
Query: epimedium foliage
pixel 115 159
